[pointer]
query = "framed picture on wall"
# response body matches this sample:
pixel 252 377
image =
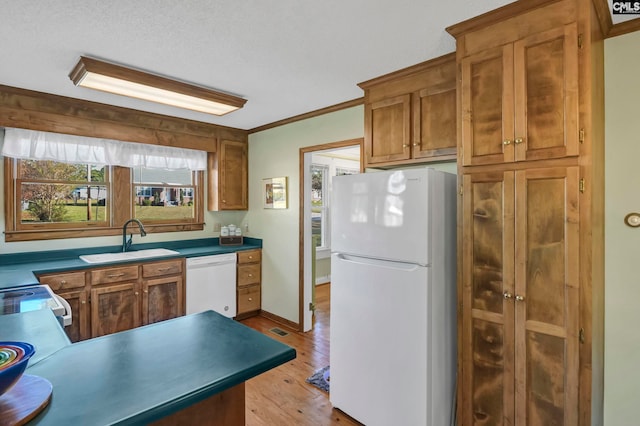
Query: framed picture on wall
pixel 274 193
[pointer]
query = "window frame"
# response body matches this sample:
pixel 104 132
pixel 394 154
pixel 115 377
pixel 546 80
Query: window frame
pixel 197 202
pixel 121 209
pixel 325 242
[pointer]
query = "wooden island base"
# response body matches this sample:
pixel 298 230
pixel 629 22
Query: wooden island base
pixel 225 408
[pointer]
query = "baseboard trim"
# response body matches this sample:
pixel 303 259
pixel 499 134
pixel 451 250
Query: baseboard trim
pixel 276 318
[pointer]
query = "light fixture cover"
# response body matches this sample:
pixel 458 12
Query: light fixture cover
pixel 120 80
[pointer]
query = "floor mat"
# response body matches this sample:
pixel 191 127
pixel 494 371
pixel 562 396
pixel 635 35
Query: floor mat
pixel 320 379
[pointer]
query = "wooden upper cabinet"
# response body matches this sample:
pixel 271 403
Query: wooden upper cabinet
pixel 519 101
pixel 227 176
pixel 410 114
pixel 387 129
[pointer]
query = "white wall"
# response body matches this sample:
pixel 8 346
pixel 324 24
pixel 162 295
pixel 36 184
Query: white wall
pixel 272 153
pixel 622 243
pixel 70 243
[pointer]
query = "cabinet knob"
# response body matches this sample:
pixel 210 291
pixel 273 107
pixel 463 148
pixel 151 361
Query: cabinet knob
pixel 250 257
pixel 416 144
pixel 136 293
pixel 506 142
pixel 63 282
pixel 250 299
pixel 146 291
pixel 519 141
pixel 83 302
pixel 519 298
pixel 224 201
pixel 405 146
pixel 250 275
pixel 507 295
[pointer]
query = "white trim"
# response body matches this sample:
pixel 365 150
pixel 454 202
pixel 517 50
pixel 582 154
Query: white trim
pixel 323 253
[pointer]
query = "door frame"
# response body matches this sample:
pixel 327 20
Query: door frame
pixel 305 261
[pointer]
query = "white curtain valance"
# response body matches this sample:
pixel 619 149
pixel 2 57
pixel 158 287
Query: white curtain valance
pixel 34 145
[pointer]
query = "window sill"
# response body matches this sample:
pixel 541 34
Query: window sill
pixel 323 253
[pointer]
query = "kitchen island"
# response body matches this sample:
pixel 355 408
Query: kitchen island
pixel 188 370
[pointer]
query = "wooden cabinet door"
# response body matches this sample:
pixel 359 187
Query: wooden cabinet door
pixel 487 303
pixel 388 129
pixel 114 308
pixel 546 95
pixel 233 187
pixel 520 101
pixel 162 299
pixel 520 299
pixel 487 118
pixel 434 121
pixel 546 296
pixel 79 328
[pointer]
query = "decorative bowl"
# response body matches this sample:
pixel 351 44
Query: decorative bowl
pixel 14 357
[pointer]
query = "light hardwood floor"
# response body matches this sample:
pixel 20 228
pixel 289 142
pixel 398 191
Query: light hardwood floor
pixel 281 396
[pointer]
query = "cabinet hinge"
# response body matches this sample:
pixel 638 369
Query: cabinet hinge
pixel 581 185
pixel 579 41
pixel 581 136
pixel 581 335
pixel 460 190
pixel 312 306
pixel 459 72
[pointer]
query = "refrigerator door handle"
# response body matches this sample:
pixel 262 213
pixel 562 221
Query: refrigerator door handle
pixel 403 266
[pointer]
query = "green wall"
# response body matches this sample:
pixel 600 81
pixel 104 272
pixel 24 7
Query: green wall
pixel 622 243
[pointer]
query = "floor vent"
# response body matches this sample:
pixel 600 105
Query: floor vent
pixel 279 331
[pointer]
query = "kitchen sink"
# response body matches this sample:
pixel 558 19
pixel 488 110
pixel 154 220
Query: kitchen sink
pixel 127 255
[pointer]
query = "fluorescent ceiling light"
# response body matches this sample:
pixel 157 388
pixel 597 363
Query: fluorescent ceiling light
pixel 111 78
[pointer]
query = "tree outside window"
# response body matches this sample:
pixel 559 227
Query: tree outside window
pixel 60 193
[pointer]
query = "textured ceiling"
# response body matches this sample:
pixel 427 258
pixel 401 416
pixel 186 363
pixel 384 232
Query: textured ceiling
pixel 286 57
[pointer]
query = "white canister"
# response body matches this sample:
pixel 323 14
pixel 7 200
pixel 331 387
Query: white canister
pixel 224 231
pixel 238 232
pixel 232 229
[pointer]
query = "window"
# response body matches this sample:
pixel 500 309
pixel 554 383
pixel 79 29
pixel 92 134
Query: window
pixel 164 195
pixel 60 195
pixel 48 199
pixel 319 205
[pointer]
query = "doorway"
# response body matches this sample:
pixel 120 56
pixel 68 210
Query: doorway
pixel 318 164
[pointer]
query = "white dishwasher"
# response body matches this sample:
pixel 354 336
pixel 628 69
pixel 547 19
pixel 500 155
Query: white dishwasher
pixel 211 284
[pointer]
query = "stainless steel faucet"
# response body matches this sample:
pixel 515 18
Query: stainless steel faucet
pixel 126 244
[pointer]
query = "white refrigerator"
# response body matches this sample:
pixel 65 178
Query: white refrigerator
pixel 393 297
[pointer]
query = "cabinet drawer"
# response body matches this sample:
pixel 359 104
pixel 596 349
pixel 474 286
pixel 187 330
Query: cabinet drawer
pixel 160 269
pixel 249 256
pixel 249 299
pixel 114 275
pixel 248 274
pixel 63 281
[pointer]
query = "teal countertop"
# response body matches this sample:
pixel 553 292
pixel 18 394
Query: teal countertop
pixel 40 328
pixel 18 269
pixel 141 375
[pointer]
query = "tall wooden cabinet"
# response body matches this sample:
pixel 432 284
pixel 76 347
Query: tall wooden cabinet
pixel 410 114
pixel 530 276
pixel 520 296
